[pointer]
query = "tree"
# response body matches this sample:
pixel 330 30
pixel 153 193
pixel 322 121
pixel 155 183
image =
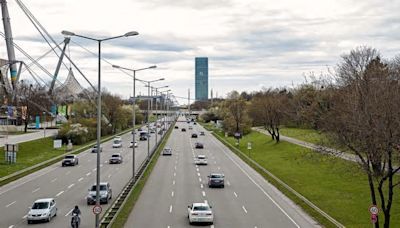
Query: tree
pixel 364 118
pixel 267 109
pixel 236 118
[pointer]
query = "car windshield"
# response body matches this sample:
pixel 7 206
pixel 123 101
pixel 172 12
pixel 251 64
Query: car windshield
pixel 117 141
pixel 115 156
pixel 40 205
pixel 102 188
pixel 201 157
pixel 216 176
pixel 69 157
pixel 201 208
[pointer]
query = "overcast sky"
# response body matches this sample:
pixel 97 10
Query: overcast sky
pixel 250 43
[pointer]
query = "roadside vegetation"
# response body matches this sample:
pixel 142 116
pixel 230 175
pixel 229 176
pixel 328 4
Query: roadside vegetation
pixel 354 109
pixel 336 186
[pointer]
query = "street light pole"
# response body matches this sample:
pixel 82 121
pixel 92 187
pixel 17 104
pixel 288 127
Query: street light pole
pixel 67 33
pixel 134 112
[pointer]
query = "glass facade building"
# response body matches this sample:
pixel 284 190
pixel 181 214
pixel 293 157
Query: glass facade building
pixel 201 78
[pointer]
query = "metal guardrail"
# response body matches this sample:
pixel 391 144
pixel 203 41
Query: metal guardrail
pixel 109 218
pixel 304 199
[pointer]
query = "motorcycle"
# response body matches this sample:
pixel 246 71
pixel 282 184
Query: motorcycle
pixel 75 221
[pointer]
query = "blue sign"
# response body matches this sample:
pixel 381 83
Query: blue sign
pixel 37 122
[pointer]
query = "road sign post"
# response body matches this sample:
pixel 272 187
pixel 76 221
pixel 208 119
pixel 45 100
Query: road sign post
pixel 97 209
pixel 374 210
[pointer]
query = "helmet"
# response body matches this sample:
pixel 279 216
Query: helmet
pixel 76 206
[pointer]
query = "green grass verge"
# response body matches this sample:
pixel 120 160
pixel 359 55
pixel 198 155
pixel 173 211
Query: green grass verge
pixel 34 152
pixel 307 135
pixel 123 215
pixel 336 186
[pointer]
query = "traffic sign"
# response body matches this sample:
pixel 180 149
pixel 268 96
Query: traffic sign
pixel 97 209
pixel 374 210
pixel 374 218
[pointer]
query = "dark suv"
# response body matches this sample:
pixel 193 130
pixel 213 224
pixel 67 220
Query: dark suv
pixel 216 180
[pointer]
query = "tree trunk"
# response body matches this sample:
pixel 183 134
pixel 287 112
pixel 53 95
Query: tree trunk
pixel 26 126
pixel 277 135
pixel 373 196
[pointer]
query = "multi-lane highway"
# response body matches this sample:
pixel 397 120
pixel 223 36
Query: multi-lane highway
pixel 246 201
pixel 69 186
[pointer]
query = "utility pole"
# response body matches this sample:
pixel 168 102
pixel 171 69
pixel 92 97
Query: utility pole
pixel 189 102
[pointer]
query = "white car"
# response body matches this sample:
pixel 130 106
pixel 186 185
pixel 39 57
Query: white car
pixel 136 144
pixel 200 213
pixel 201 160
pixel 42 210
pixel 117 143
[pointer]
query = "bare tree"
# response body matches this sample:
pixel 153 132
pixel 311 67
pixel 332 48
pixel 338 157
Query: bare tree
pixel 364 118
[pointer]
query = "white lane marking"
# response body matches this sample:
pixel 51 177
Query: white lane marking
pixel 200 179
pixel 101 165
pixel 197 169
pixel 262 190
pixel 173 182
pixel 175 167
pixel 174 174
pixel 105 162
pixel 35 190
pixel 212 226
pixel 109 176
pixel 244 209
pixel 58 194
pixel 69 212
pixel 197 166
pixel 228 183
pixel 68 172
pixel 235 194
pixel 24 216
pixel 80 179
pixel 94 169
pixel 198 174
pixel 11 226
pixel 172 194
pixel 87 174
pixel 201 186
pixel 53 180
pixel 10 204
pixel 71 185
pixel 219 168
pixel 205 201
pixel 204 193
pixel 168 227
pixel 170 209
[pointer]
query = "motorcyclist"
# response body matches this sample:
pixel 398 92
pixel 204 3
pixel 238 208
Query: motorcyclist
pixel 77 212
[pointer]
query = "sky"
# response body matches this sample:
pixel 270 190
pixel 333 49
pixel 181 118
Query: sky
pixel 251 44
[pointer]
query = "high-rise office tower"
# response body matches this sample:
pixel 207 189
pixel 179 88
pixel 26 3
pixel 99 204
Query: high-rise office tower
pixel 201 78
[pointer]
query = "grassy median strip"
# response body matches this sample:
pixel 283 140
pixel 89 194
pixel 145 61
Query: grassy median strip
pixel 336 186
pixel 123 215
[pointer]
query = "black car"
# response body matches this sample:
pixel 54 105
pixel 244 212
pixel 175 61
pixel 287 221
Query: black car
pixel 194 123
pixel 199 145
pixel 216 180
pixel 176 127
pixel 183 129
pixel 194 135
pixel 143 138
pixel 202 133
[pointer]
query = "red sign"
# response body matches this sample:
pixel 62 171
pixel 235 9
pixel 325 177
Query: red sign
pixel 374 218
pixel 97 209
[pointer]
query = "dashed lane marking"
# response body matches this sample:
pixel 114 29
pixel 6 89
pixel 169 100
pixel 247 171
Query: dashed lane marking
pixel 80 179
pixel 174 174
pixel 235 194
pixel 170 209
pixel 59 194
pixel 244 209
pixel 204 193
pixel 173 182
pixel 198 174
pixel 228 183
pixel 172 194
pixel 201 186
pixel 24 216
pixel 200 179
pixel 71 185
pixel 69 212
pixel 109 176
pixel 10 204
pixel 87 174
pixel 35 190
pixel 53 180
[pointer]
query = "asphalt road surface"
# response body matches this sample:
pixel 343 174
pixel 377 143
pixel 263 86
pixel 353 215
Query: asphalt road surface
pixel 69 186
pixel 246 201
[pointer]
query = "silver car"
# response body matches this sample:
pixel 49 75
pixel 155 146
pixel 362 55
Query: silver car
pixel 42 210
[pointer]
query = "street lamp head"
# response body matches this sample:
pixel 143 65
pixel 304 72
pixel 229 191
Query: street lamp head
pixel 116 66
pixel 67 33
pixel 161 79
pixel 152 67
pixel 132 33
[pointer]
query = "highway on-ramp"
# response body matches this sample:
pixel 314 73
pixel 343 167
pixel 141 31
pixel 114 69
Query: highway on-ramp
pixel 246 201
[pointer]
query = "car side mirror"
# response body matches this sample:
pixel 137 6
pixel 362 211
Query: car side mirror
pixel 208 176
pixel 210 206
